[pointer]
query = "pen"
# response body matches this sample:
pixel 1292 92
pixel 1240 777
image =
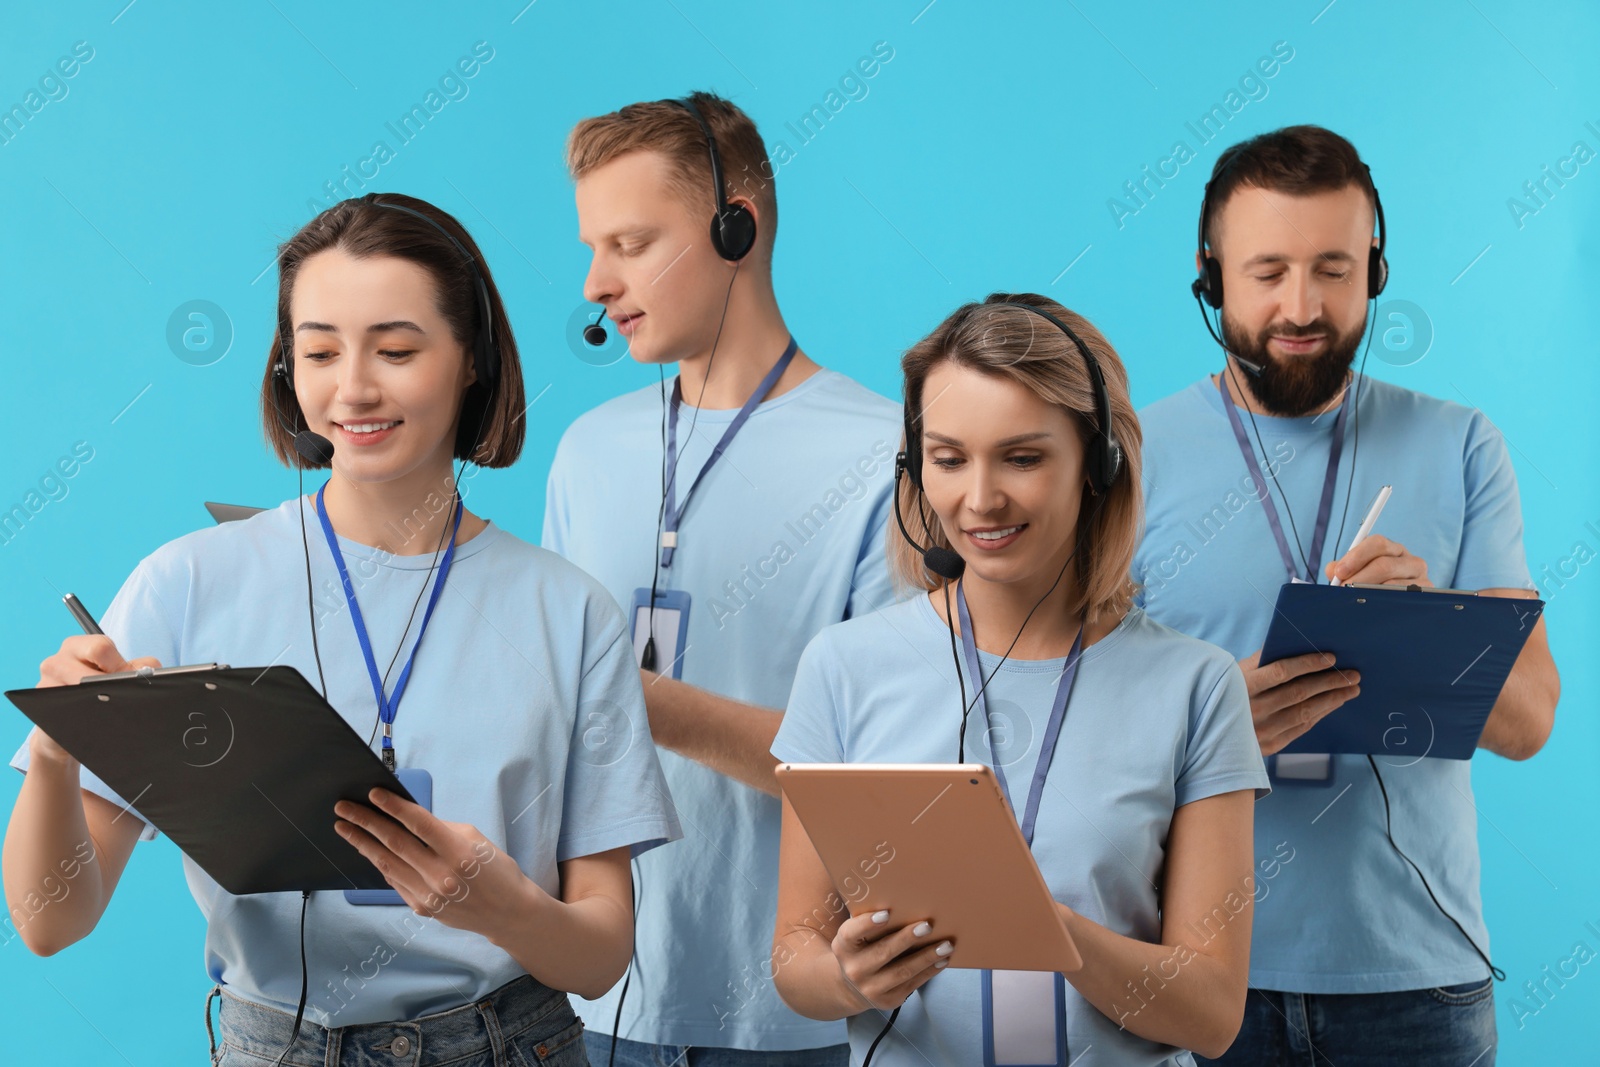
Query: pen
pixel 1370 521
pixel 81 613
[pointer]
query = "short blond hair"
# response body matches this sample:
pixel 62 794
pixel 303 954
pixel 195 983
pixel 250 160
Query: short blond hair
pixel 666 127
pixel 1011 343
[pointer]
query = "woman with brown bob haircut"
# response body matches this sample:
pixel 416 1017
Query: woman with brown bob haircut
pixel 509 706
pixel 1021 472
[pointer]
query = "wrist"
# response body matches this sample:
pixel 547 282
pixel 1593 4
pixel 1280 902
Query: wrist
pixel 44 754
pixel 522 916
pixel 851 1001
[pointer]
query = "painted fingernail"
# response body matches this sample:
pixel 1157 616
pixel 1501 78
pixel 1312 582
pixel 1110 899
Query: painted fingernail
pixel 880 916
pixel 944 949
pixel 941 965
pixel 920 930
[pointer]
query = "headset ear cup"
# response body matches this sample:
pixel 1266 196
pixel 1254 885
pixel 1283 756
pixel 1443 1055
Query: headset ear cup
pixel 911 462
pixel 486 360
pixel 1104 463
pixel 1377 272
pixel 1211 283
pixel 733 232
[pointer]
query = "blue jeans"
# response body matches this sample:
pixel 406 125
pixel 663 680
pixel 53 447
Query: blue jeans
pixel 1451 1026
pixel 521 1024
pixel 640 1054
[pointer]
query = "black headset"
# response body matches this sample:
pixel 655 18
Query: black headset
pixel 1102 461
pixel 733 228
pixel 1208 286
pixel 485 349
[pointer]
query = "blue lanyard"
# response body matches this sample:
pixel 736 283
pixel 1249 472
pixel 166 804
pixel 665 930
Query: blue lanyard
pixel 1052 730
pixel 1324 508
pixel 390 705
pixel 672 514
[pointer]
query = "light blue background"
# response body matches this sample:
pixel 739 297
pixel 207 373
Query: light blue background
pixel 982 157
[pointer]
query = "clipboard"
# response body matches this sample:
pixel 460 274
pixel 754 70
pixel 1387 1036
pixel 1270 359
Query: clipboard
pixel 1432 663
pixel 955 855
pixel 240 766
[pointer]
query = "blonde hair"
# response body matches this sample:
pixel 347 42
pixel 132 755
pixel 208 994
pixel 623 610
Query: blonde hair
pixel 666 127
pixel 1012 343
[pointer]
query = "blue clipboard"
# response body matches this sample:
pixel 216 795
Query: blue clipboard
pixel 1432 663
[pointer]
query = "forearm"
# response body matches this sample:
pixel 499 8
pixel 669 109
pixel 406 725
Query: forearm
pixel 55 892
pixel 809 978
pixel 1521 721
pixel 578 947
pixel 1171 994
pixel 1525 712
pixel 731 737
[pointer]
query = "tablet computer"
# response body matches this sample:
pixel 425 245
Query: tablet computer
pixel 956 857
pixel 241 767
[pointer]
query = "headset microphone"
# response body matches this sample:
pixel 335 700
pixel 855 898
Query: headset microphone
pixel 594 334
pixel 945 562
pixel 1200 290
pixel 313 448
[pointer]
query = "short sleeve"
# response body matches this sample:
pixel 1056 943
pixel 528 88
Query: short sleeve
pixel 1492 555
pixel 1222 754
pixel 554 534
pixel 139 623
pixel 615 792
pixel 871 587
pixel 811 729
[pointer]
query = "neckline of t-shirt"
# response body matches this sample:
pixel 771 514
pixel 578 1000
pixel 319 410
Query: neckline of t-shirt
pixel 1030 666
pixel 373 554
pixel 720 416
pixel 1281 425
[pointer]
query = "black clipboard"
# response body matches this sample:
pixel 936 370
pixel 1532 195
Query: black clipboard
pixel 241 767
pixel 1432 663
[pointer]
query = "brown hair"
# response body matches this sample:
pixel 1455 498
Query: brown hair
pixel 1008 342
pixel 490 431
pixel 1298 160
pixel 666 127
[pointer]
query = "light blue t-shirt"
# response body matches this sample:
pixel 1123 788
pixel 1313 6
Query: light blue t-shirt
pixel 1156 721
pixel 785 535
pixel 1346 915
pixel 522 653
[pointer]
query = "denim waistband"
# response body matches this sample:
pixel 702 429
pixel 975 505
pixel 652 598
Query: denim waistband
pixel 482 1027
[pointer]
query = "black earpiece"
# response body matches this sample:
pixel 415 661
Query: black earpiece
pixel 733 228
pixel 1102 460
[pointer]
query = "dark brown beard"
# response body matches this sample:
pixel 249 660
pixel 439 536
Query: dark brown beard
pixel 1291 388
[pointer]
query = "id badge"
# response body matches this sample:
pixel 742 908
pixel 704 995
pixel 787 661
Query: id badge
pixel 419 783
pixel 1301 768
pixel 670 625
pixel 1024 1019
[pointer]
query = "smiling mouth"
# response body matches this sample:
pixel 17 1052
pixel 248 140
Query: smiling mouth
pixel 367 427
pixel 995 535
